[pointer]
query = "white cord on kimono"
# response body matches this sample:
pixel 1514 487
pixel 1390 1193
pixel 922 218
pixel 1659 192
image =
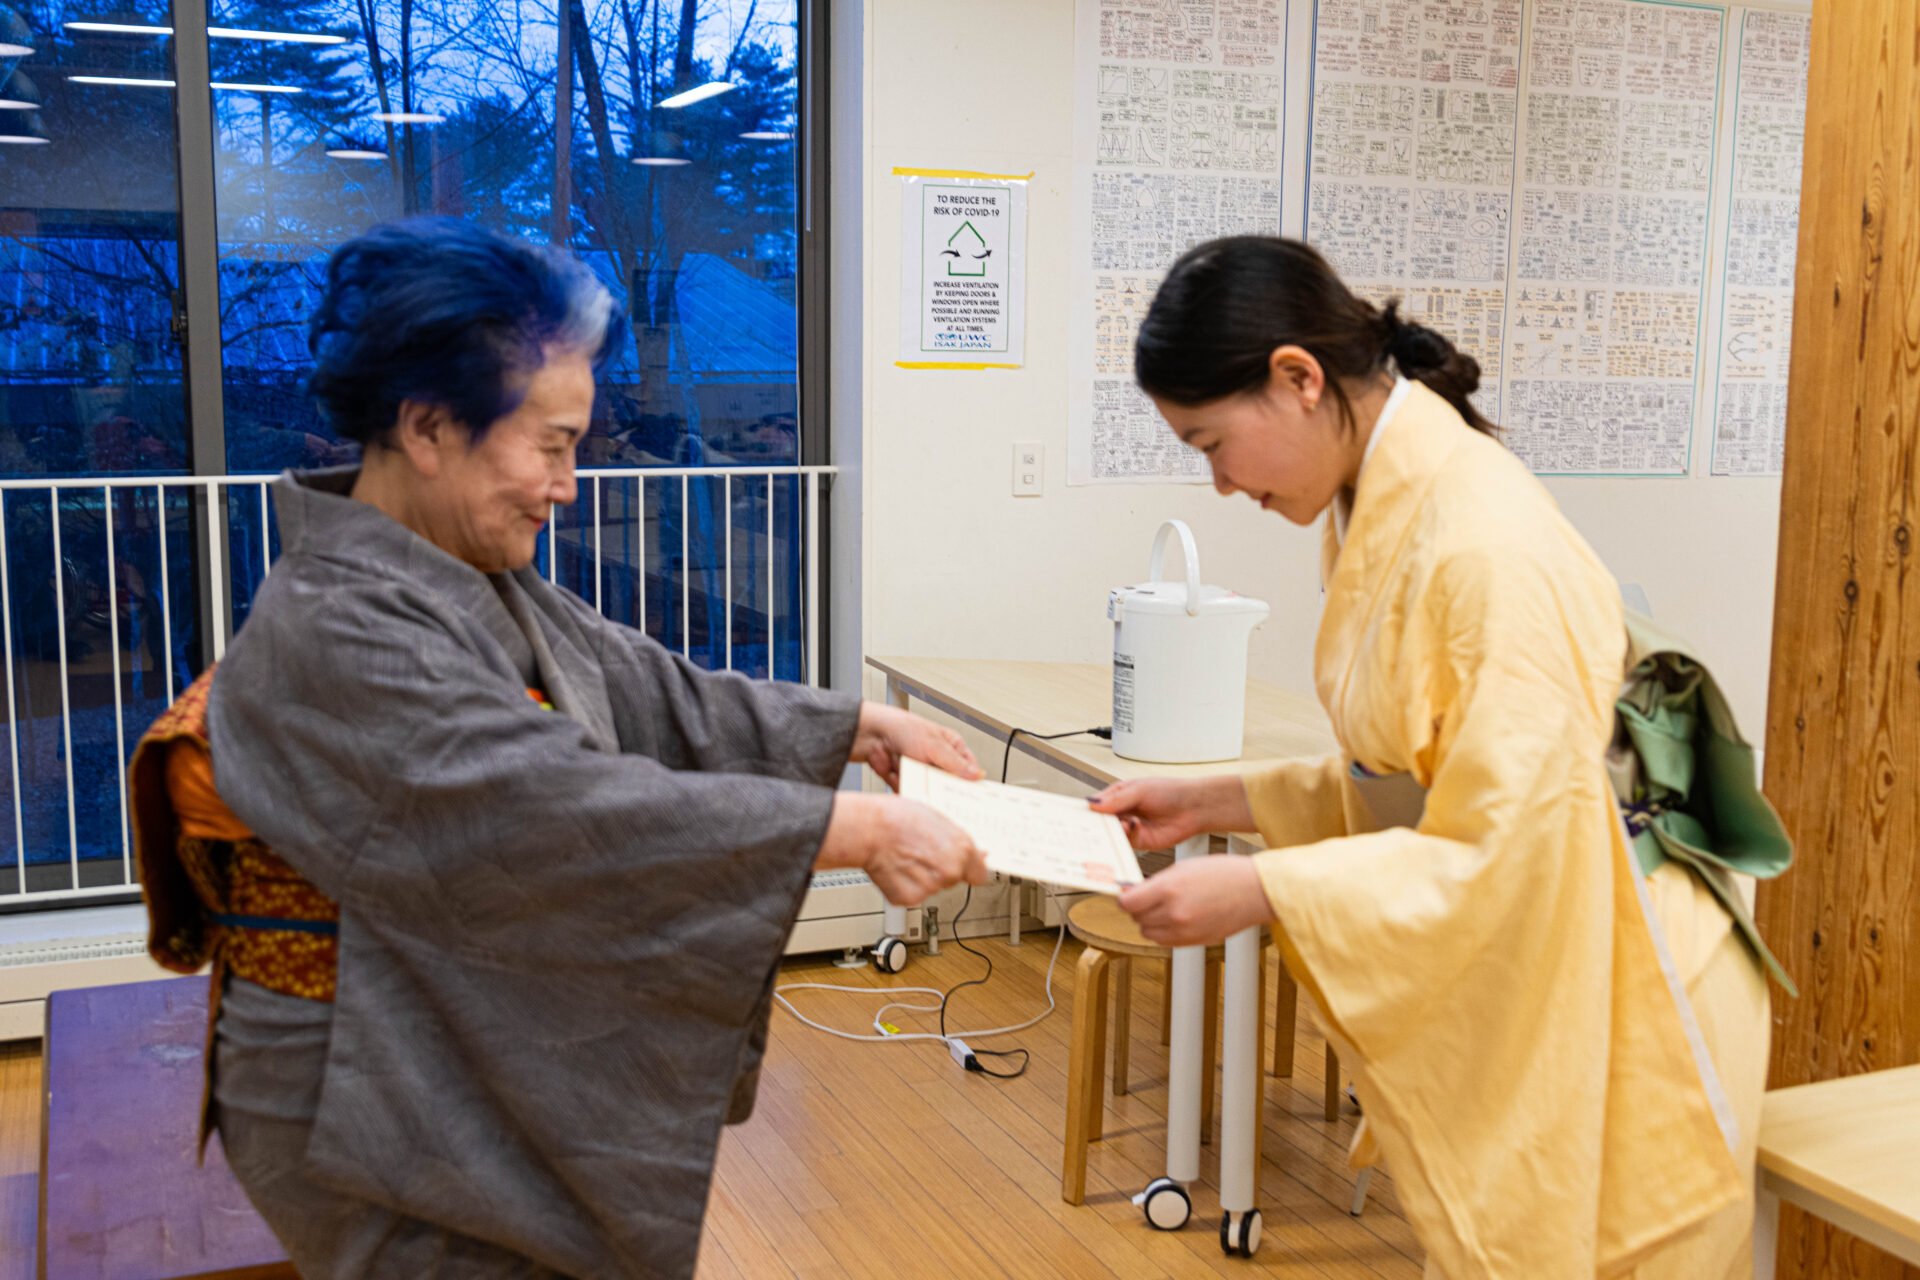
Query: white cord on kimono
pixel 880 1034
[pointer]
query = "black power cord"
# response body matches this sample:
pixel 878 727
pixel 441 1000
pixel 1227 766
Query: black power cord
pixel 972 1060
pixel 974 1055
pixel 1104 732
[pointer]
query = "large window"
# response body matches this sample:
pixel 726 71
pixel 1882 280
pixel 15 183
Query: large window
pixel 684 200
pixel 656 139
pixel 91 384
pixel 361 112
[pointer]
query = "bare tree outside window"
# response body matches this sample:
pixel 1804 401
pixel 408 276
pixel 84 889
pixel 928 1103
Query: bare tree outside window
pixel 653 138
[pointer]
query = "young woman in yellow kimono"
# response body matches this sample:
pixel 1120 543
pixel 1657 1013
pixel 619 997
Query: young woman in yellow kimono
pixel 1561 1061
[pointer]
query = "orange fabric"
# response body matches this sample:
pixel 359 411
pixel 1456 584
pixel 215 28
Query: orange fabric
pixel 197 807
pixel 197 861
pixel 177 927
pixel 292 962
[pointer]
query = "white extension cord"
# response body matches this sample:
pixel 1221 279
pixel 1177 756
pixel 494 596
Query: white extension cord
pixel 955 1042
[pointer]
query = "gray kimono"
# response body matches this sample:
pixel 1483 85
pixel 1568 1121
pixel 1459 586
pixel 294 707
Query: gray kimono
pixel 558 932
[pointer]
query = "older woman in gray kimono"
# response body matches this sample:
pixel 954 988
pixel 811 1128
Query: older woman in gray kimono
pixel 560 914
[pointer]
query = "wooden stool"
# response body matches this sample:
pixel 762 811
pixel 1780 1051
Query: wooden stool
pixel 1286 1009
pixel 1286 1003
pixel 1114 941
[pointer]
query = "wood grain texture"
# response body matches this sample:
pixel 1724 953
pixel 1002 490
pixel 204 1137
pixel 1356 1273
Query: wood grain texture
pixel 888 1161
pixel 121 1196
pixel 1843 731
pixel 1850 1142
pixel 19 1157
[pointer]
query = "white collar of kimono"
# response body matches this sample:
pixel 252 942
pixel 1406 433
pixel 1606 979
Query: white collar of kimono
pixel 1342 504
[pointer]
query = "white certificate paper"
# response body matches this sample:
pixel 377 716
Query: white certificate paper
pixel 1034 835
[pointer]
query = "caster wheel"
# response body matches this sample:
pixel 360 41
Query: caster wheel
pixel 890 955
pixel 1166 1204
pixel 1239 1239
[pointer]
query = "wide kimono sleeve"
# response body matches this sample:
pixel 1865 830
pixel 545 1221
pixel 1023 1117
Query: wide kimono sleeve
pixel 1490 971
pixel 370 751
pixel 720 721
pixel 554 960
pixel 1301 801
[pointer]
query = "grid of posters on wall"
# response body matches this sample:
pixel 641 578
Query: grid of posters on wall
pixel 1763 223
pixel 1534 178
pixel 1593 175
pixel 1415 122
pixel 1178 136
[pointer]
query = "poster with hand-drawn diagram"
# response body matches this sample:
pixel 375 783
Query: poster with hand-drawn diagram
pixel 1410 188
pixel 1604 315
pixel 1177 140
pixel 1756 309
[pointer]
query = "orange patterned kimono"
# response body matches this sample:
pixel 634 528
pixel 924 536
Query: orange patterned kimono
pixel 214 893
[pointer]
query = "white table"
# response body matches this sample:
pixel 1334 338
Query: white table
pixel 1846 1150
pixel 996 697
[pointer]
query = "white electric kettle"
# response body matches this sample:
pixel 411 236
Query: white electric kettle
pixel 1180 662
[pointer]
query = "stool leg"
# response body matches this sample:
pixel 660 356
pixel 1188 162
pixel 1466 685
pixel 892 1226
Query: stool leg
pixel 1210 1050
pixel 1083 1073
pixel 1166 1005
pixel 1286 1013
pixel 1333 1083
pixel 1122 1022
pixel 1097 1059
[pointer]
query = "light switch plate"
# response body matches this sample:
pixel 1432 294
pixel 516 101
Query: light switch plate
pixel 1029 468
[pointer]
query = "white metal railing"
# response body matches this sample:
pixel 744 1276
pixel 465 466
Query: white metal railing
pixel 216 508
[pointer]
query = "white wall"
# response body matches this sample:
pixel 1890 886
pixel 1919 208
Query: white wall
pixel 953 565
pixel 1703 549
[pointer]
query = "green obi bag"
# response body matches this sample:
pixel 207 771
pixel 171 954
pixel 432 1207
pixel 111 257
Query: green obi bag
pixel 1685 779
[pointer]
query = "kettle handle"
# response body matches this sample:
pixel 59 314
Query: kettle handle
pixel 1193 561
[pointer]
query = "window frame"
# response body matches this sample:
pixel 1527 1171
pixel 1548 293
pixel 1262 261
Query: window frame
pixel 198 183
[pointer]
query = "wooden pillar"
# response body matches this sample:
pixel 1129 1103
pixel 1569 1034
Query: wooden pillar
pixel 1843 728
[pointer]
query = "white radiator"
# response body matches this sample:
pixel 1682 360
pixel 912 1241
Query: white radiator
pixel 46 951
pixel 842 909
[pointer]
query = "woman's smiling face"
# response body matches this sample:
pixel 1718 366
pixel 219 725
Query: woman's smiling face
pixel 1283 445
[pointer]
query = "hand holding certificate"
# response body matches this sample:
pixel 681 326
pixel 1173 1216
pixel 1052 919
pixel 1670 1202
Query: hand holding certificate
pixel 1034 835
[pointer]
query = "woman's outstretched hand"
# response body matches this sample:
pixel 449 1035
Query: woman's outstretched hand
pixel 1158 813
pixel 888 735
pixel 1198 901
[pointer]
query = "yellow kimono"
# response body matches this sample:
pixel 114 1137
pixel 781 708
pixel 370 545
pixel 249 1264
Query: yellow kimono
pixel 1560 1061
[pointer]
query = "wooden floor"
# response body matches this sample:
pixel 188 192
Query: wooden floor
pixel 19 1157
pixel 886 1160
